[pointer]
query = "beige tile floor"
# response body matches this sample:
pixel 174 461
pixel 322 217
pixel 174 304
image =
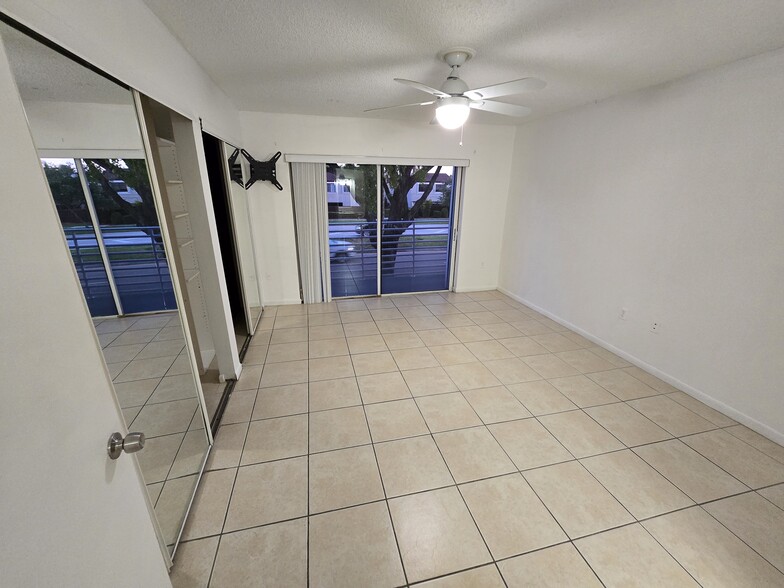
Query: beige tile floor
pixel 465 440
pixel 154 385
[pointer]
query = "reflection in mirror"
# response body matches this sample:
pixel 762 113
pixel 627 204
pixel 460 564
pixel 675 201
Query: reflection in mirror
pixel 232 218
pixel 240 213
pixel 87 133
pixel 172 145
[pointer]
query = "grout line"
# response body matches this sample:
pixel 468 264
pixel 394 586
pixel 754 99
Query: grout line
pixel 231 494
pixel 307 481
pixel 179 448
pixel 492 563
pixel 768 499
pixel 742 540
pixel 557 522
pixel 147 403
pixel 709 460
pixel 667 551
pixel 381 478
pixel 624 448
pixel 457 487
pixel 676 485
pixel 696 503
pixel 260 526
pixel 580 553
pixel 701 505
pixel 727 427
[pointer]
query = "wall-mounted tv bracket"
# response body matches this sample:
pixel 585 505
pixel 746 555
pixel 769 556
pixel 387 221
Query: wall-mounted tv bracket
pixel 262 170
pixel 259 170
pixel 235 169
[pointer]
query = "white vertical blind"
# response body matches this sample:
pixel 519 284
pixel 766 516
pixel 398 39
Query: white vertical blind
pixel 309 186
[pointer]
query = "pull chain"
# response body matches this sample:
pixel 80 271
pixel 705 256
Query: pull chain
pixel 461 134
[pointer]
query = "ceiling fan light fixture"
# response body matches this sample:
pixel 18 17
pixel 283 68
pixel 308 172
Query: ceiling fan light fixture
pixel 455 100
pixel 452 112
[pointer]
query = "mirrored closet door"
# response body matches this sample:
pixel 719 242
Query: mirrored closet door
pixel 88 135
pixel 228 171
pixel 243 237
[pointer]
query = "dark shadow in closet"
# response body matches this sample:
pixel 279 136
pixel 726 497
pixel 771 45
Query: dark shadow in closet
pixel 223 222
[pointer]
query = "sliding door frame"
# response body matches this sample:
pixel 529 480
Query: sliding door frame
pixel 455 215
pixel 459 165
pixel 454 223
pixel 88 196
pixel 379 229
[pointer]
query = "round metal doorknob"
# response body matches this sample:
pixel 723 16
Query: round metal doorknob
pixel 132 443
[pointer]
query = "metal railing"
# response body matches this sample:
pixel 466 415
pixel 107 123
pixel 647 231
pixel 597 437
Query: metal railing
pixel 415 254
pixel 415 247
pixel 137 261
pixel 89 267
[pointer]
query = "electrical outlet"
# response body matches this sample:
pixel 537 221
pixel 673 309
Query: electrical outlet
pixel 622 314
pixel 655 327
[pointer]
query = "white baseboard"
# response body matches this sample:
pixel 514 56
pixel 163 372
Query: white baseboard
pixel 726 409
pixel 282 302
pixel 476 288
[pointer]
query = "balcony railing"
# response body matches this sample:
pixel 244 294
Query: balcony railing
pixel 414 254
pixel 137 261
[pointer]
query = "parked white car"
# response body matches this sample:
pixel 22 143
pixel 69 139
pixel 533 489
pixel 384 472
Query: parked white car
pixel 340 250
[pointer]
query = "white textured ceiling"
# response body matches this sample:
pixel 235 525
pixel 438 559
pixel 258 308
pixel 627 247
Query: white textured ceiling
pixel 338 57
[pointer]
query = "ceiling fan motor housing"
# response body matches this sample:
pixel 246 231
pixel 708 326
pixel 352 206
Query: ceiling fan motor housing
pixel 454 86
pixel 454 58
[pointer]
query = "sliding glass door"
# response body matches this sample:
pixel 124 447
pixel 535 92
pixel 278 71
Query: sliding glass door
pixel 108 216
pixel 121 193
pixel 352 210
pixel 413 206
pixel 80 235
pixel 417 228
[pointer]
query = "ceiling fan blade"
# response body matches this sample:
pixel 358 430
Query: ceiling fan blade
pixel 401 106
pixel 502 108
pixel 422 87
pixel 506 89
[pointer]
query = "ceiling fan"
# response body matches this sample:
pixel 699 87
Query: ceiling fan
pixel 454 100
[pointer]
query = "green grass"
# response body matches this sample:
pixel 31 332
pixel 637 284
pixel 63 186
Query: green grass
pixel 426 241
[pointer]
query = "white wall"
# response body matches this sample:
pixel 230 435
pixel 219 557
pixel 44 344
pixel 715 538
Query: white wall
pixel 128 41
pixel 486 185
pixel 77 126
pixel 668 202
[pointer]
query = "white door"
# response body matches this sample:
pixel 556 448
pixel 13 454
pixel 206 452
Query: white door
pixel 70 515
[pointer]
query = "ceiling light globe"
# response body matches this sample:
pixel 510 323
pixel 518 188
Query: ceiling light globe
pixel 452 112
